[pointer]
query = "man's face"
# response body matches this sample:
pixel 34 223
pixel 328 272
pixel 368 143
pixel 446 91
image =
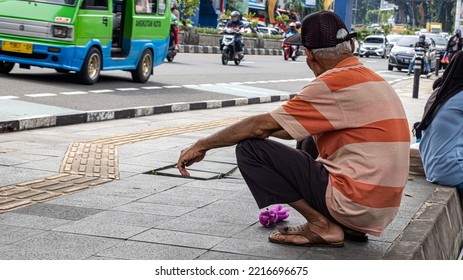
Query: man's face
pixel 235 18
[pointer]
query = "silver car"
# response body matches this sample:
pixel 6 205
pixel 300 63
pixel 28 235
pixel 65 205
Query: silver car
pixel 374 45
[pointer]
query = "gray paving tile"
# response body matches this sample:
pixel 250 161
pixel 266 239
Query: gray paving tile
pixel 214 166
pixel 194 174
pixel 56 246
pixel 12 175
pixel 187 196
pixel 372 250
pixel 137 186
pixel 133 250
pixel 101 228
pixel 57 211
pixel 17 158
pixel 12 234
pixel 200 241
pixel 221 184
pixel 52 165
pixel 204 226
pixel 214 255
pixel 88 200
pixel 129 219
pixel 155 209
pixel 30 221
pixel 228 212
pixel 262 249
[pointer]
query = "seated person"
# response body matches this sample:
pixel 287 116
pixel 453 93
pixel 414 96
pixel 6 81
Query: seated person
pixel 441 146
pixel 421 44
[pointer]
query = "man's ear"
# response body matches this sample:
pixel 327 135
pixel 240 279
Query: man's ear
pixel 352 45
pixel 309 54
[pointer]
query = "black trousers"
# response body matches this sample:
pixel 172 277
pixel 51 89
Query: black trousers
pixel 276 173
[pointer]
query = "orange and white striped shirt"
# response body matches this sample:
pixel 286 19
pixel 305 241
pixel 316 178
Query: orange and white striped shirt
pixel 362 135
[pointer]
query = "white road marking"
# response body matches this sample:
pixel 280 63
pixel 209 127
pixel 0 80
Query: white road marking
pixel 127 89
pixel 172 86
pixel 8 97
pixel 101 91
pixel 151 87
pixel 40 94
pixel 73 92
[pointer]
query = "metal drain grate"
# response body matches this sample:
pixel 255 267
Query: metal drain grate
pixel 204 170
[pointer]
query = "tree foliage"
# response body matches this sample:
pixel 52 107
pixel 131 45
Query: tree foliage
pixel 187 9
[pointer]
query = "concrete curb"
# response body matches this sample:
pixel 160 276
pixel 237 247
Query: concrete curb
pixel 436 231
pixel 96 116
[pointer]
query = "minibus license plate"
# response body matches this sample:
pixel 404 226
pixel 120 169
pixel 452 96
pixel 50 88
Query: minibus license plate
pixel 16 47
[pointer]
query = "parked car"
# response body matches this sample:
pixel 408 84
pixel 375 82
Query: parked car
pixel 267 30
pixel 374 45
pixel 391 39
pixel 404 50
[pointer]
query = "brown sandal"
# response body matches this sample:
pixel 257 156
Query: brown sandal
pixel 303 230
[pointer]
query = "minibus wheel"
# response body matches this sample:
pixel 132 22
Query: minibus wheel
pixel 90 71
pixel 6 67
pixel 144 68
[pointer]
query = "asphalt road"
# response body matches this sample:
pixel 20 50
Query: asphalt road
pixel 191 77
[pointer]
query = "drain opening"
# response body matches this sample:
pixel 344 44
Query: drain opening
pixel 204 170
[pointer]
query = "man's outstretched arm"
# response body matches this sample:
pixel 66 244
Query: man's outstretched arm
pixel 259 126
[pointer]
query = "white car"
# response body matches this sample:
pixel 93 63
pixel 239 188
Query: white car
pixel 267 30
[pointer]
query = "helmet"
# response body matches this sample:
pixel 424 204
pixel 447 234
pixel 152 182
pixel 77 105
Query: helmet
pixel 458 32
pixel 292 26
pixel 236 15
pixel 422 38
pixel 298 24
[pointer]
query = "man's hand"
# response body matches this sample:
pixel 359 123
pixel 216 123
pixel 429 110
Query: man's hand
pixel 189 156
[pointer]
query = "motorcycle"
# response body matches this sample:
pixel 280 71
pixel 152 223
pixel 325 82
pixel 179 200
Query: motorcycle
pixel 228 47
pixel 289 51
pixel 171 52
pixel 420 55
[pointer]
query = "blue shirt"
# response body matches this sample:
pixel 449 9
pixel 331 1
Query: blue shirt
pixel 441 147
pixel 290 32
pixel 235 25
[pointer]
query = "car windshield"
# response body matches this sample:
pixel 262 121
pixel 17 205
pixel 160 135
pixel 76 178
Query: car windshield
pixel 439 40
pixel 393 38
pixel 407 41
pixel 59 2
pixel 374 40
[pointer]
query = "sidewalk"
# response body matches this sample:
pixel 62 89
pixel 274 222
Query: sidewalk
pixel 88 191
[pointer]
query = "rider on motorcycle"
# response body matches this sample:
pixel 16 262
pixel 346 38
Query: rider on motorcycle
pixel 421 44
pixel 236 24
pixel 290 32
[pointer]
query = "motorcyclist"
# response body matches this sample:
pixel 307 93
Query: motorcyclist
pixel 454 44
pixel 425 45
pixel 290 32
pixel 298 26
pixel 236 24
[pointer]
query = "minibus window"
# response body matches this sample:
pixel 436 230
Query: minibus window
pixel 145 6
pixel 95 5
pixel 162 7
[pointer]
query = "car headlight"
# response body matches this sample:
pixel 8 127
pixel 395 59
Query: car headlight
pixel 394 51
pixel 60 31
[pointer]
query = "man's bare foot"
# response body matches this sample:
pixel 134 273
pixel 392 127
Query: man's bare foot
pixel 309 235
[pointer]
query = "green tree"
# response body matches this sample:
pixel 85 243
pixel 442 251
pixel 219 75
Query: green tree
pixel 187 9
pixel 294 6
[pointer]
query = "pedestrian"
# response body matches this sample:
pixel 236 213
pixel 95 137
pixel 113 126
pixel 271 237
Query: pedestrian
pixel 454 44
pixel 441 146
pixel 174 11
pixel 359 128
